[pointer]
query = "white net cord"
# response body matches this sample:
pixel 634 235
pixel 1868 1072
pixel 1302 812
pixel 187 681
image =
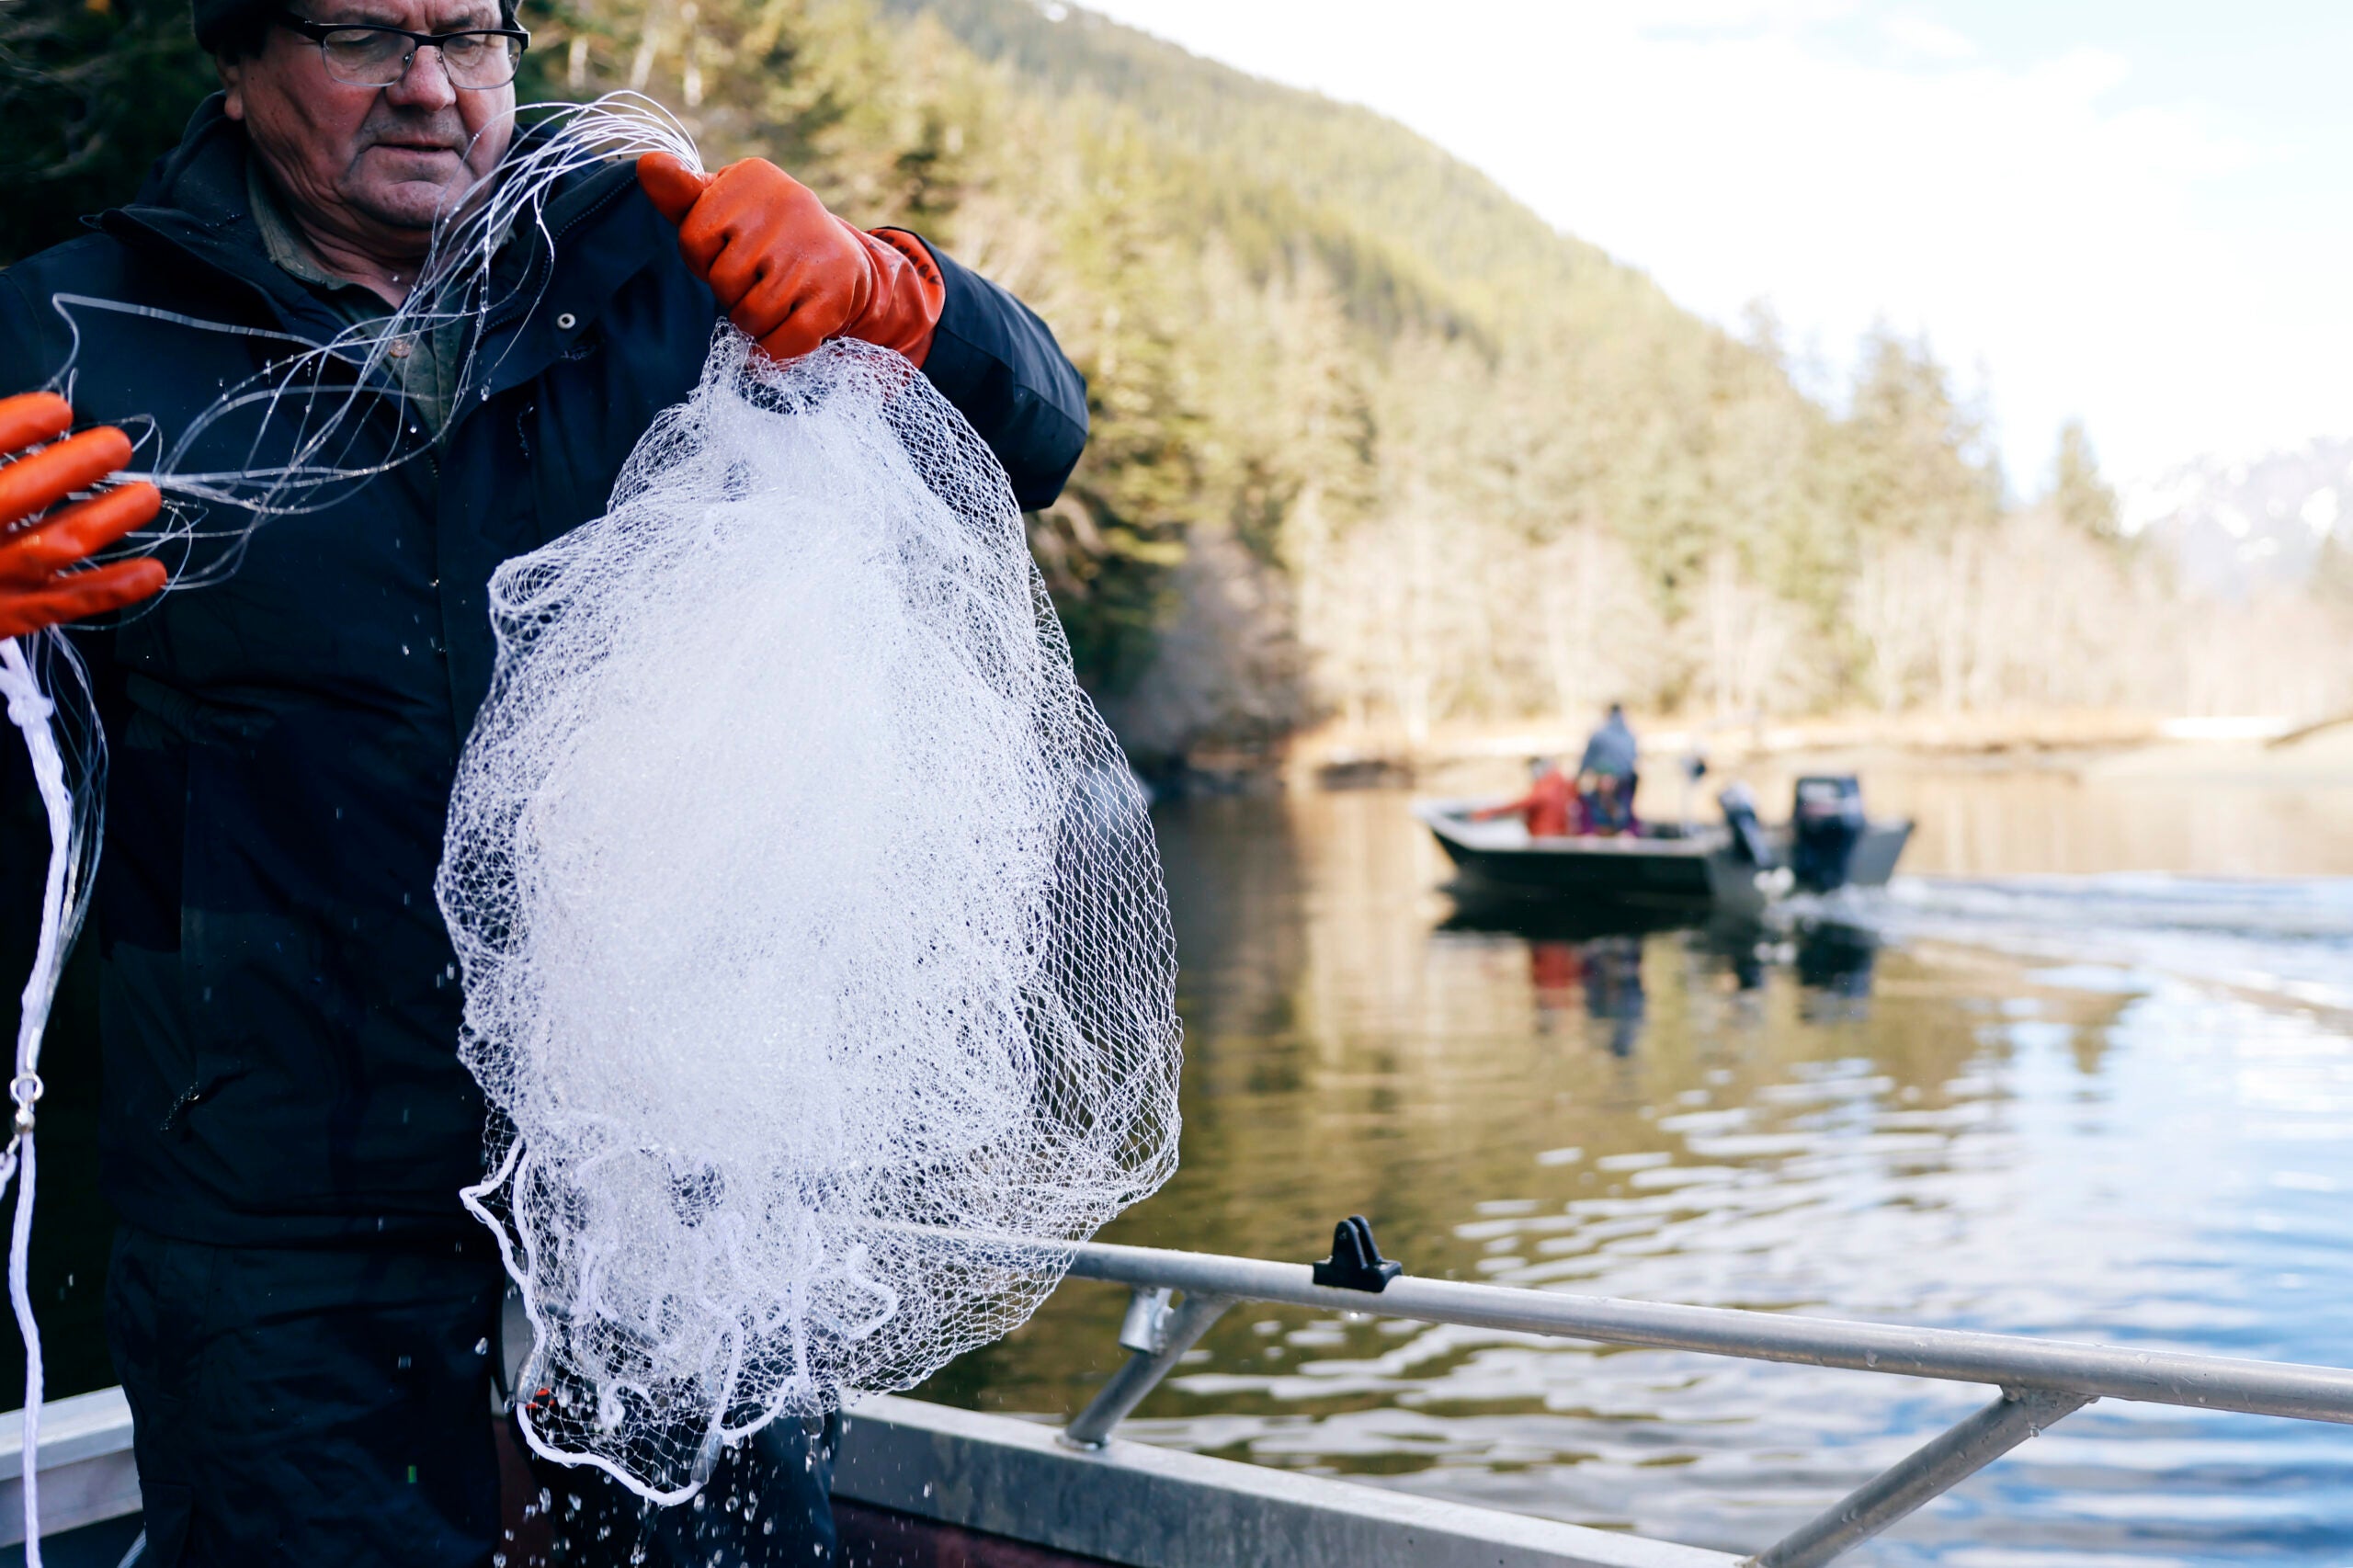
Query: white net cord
pixel 62 893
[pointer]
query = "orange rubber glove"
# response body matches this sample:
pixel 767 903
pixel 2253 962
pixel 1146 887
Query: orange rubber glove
pixel 787 271
pixel 38 585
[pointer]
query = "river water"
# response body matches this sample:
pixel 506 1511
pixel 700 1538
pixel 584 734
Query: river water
pixel 2085 1070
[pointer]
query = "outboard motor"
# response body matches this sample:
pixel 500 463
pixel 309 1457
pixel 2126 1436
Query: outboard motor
pixel 1823 831
pixel 1748 840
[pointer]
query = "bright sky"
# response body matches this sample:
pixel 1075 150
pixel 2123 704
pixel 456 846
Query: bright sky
pixel 2139 213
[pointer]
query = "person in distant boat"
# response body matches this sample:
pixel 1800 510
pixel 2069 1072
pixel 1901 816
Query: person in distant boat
pixel 1550 808
pixel 1607 774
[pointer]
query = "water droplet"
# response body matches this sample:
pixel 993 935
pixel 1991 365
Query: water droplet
pixel 481 1345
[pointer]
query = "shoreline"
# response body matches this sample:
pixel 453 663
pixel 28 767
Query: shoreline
pixel 2103 747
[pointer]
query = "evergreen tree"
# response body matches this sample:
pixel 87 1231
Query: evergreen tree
pixel 2079 494
pixel 92 92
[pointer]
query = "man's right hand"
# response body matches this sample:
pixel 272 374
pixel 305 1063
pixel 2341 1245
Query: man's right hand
pixel 789 273
pixel 38 585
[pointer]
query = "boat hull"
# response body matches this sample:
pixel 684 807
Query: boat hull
pixel 1701 870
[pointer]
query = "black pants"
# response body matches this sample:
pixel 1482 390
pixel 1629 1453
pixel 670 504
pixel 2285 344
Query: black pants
pixel 301 1406
pixel 333 1407
pixel 304 1406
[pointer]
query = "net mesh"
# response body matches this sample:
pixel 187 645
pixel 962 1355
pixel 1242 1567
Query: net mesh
pixel 816 961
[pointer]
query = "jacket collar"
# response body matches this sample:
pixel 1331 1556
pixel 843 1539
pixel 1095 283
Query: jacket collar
pixel 193 202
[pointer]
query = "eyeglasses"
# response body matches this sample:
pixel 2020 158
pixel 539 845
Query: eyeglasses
pixel 365 55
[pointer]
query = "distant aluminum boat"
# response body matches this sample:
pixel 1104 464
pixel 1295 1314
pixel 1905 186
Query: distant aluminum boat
pixel 1667 867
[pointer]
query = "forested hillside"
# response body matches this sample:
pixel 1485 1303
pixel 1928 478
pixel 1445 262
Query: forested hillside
pixel 1508 477
pixel 1373 442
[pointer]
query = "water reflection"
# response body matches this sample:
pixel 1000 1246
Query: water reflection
pixel 1584 966
pixel 1585 977
pixel 1834 965
pixel 2021 1107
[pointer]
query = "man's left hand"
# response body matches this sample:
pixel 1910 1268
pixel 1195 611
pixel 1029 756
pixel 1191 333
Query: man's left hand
pixel 787 271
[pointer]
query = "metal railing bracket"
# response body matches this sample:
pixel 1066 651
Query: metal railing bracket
pixel 1175 1335
pixel 1921 1477
pixel 1146 1327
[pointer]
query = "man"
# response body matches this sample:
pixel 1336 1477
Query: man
pixel 1550 807
pixel 301 1315
pixel 1607 775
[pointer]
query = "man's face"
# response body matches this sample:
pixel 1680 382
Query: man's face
pixel 370 166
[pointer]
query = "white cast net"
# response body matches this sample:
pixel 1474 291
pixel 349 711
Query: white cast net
pixel 815 953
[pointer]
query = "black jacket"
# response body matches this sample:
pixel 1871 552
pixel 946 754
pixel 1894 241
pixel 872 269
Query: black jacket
pixel 279 1001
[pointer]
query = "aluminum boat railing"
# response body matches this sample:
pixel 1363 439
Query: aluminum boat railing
pixel 87 1475
pixel 1177 1295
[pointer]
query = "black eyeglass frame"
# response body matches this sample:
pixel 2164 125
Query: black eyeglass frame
pixel 319 33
